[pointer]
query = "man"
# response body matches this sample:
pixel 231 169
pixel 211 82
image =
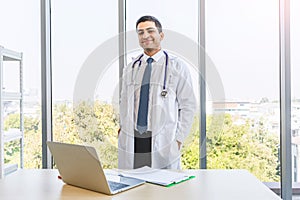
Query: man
pixel 157 104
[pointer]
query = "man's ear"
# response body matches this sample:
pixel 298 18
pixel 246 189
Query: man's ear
pixel 162 35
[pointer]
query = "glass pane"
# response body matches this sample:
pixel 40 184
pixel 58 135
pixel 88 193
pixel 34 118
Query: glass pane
pixel 20 32
pixel 242 42
pixel 84 35
pixel 179 21
pixel 295 84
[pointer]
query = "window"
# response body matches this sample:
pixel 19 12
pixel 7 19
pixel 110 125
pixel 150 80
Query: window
pixel 20 31
pixel 179 20
pixel 242 42
pixel 295 85
pixel 79 35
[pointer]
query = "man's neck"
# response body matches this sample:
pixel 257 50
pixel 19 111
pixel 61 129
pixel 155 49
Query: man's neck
pixel 151 52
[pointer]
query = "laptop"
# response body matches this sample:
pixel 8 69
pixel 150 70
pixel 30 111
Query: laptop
pixel 80 166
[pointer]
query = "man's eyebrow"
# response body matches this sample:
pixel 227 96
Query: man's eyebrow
pixel 149 28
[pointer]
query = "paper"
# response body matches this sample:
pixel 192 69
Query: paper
pixel 112 175
pixel 157 176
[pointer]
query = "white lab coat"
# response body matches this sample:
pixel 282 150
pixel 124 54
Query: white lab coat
pixel 170 117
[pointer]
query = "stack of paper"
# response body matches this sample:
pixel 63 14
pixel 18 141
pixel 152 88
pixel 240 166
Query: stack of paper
pixel 157 176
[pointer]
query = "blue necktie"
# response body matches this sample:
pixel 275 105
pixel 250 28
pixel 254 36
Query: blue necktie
pixel 144 99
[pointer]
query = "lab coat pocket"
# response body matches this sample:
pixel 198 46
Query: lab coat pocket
pixel 166 153
pixel 174 151
pixel 122 140
pixel 172 85
pixel 170 149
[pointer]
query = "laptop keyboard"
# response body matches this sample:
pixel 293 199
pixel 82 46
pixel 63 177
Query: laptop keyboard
pixel 116 186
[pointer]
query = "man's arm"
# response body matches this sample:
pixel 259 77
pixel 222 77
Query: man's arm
pixel 123 96
pixel 186 103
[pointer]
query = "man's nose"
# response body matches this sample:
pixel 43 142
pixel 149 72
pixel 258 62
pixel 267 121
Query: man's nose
pixel 145 35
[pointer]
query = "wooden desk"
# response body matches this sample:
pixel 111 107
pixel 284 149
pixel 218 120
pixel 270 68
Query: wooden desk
pixel 208 185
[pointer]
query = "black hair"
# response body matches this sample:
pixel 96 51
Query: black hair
pixel 151 19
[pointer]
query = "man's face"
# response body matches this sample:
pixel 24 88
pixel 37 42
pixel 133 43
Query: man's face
pixel 149 36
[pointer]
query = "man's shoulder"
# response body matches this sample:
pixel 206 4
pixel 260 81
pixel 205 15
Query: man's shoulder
pixel 135 59
pixel 173 57
pixel 177 62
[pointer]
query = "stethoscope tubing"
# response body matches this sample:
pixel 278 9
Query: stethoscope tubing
pixel 164 92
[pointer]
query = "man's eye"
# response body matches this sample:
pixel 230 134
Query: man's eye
pixel 140 32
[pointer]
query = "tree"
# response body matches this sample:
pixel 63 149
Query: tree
pixel 32 141
pixel 243 147
pixel 190 150
pixel 229 145
pixel 234 146
pixel 97 125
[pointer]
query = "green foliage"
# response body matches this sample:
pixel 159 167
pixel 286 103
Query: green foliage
pixel 11 150
pixel 229 145
pixel 190 150
pixel 97 125
pixel 32 141
pixel 64 126
pixel 243 147
pixel 91 124
pixel 235 146
pixel 12 121
pixel 86 122
pixel 107 151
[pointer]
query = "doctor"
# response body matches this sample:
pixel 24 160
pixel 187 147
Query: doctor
pixel 157 104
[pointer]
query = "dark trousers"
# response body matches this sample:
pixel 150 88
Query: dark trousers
pixel 142 149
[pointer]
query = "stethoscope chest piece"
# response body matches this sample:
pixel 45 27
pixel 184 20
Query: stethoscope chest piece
pixel 164 93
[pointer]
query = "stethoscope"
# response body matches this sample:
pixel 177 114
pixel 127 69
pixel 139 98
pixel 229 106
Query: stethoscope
pixel 164 92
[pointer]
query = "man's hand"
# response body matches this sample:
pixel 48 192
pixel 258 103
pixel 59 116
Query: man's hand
pixel 179 144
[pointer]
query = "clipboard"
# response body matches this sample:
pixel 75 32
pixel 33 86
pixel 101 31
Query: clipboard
pixel 163 177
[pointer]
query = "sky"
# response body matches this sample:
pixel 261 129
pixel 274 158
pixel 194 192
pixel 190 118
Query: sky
pixel 241 40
